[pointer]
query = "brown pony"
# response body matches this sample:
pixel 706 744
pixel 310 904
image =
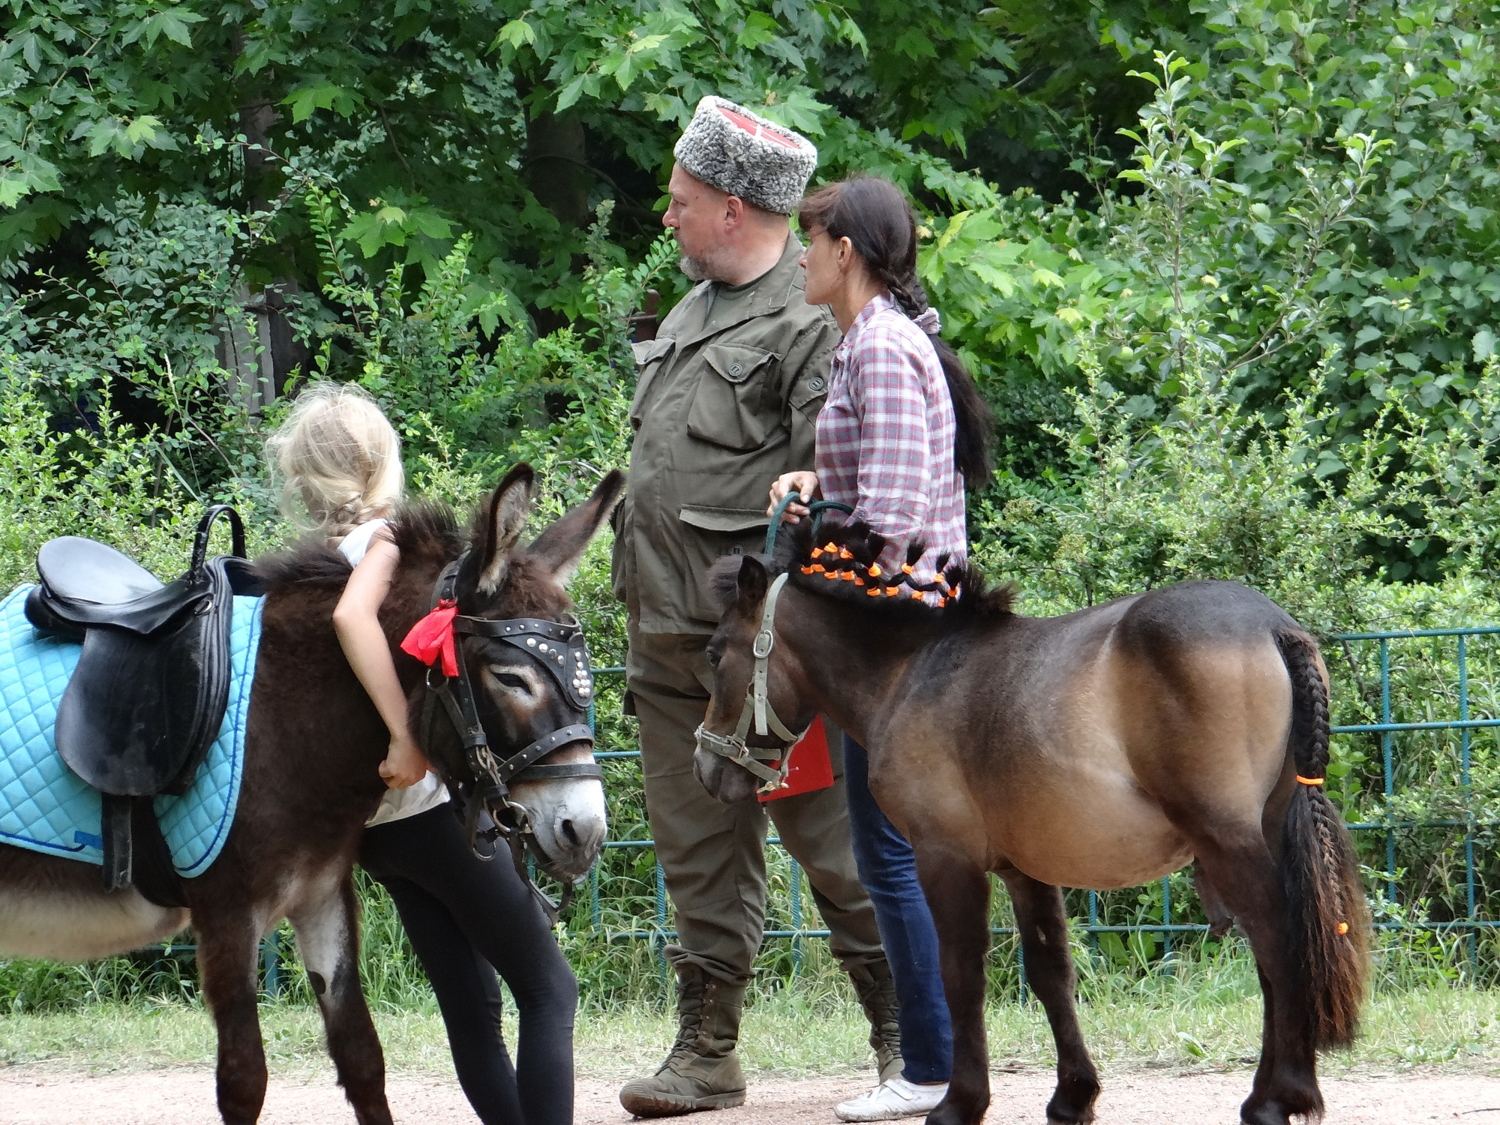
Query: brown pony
pixel 1101 749
pixel 311 750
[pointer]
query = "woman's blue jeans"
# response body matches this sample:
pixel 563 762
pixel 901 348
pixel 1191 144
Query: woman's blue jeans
pixel 888 869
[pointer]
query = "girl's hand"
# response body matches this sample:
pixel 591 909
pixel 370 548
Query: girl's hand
pixel 803 482
pixel 405 764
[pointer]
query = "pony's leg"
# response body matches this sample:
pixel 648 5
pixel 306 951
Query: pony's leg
pixel 1239 865
pixel 1049 971
pixel 227 943
pixel 958 894
pixel 328 938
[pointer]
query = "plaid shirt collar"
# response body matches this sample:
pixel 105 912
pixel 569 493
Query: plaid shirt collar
pixel 877 303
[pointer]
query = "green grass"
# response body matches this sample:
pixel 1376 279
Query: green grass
pixel 789 1034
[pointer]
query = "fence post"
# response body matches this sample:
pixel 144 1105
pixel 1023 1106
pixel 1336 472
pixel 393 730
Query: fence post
pixel 1464 760
pixel 270 959
pixel 796 920
pixel 1386 768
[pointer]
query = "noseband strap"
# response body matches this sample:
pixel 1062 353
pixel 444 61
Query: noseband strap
pixel 757 705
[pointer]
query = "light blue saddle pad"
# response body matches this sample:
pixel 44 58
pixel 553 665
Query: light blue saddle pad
pixel 43 804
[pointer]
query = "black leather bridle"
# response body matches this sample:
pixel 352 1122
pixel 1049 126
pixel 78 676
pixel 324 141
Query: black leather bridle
pixel 561 649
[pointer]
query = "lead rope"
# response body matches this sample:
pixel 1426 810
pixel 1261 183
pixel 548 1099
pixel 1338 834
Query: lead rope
pixel 815 510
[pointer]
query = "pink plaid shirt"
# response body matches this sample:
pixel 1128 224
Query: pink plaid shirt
pixel 885 437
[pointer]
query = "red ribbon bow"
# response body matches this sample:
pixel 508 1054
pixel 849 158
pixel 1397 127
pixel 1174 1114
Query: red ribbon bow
pixel 432 637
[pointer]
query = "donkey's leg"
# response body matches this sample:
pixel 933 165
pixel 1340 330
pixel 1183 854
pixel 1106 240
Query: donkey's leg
pixel 328 938
pixel 1049 971
pixel 958 894
pixel 1239 865
pixel 227 944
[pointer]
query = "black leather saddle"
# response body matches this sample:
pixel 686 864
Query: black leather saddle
pixel 148 695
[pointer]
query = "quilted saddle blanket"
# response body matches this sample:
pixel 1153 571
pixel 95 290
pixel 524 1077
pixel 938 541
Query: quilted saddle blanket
pixel 45 807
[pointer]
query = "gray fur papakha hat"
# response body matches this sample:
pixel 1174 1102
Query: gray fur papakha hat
pixel 729 148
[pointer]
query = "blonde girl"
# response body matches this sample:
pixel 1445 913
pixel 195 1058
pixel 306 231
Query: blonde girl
pixel 340 463
pixel 339 460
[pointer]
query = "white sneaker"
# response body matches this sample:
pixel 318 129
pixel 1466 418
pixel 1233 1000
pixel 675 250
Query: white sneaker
pixel 890 1100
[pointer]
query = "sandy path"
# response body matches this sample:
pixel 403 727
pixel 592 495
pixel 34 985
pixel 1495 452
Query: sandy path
pixel 54 1095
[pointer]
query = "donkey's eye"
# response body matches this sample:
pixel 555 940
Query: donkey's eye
pixel 510 680
pixel 714 656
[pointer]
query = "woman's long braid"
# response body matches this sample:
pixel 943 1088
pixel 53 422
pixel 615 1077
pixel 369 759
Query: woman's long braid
pixel 907 291
pixel 971 413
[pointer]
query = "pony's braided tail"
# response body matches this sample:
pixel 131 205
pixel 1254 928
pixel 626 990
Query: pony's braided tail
pixel 1327 920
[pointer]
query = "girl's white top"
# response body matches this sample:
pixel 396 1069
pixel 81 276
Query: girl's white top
pixel 430 792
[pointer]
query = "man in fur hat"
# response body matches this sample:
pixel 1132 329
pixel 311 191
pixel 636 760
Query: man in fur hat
pixel 725 403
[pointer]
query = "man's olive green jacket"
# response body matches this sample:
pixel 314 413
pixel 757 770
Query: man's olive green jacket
pixel 725 403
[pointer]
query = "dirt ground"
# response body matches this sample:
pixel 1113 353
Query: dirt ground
pixel 55 1095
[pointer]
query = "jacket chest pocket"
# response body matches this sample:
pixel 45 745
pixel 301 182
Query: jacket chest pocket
pixel 649 356
pixel 732 405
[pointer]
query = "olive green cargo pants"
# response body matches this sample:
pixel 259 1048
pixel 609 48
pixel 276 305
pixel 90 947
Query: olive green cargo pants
pixel 713 854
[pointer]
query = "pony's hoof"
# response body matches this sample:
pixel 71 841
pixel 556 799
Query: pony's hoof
pixel 1274 1112
pixel 1076 1107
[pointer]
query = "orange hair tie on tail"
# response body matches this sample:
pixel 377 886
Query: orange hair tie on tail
pixel 1310 780
pixel 1343 927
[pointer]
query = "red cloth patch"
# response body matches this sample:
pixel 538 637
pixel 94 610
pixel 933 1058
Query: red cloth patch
pixel 432 637
pixel 755 129
pixel 811 768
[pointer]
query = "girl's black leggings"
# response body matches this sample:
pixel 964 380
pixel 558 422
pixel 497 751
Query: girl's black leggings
pixel 468 919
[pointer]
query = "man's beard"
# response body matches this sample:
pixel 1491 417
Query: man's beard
pixel 713 266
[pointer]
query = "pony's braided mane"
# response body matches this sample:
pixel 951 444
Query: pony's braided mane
pixel 961 592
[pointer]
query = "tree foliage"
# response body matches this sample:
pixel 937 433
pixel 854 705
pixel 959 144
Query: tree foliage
pixel 507 121
pixel 1316 191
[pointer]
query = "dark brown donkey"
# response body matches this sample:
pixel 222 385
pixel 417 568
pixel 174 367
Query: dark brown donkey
pixel 310 782
pixel 1100 749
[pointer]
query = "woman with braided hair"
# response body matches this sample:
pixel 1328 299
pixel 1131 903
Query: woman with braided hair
pixel 903 430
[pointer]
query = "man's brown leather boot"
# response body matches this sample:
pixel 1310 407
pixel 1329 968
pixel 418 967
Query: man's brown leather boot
pixel 702 1071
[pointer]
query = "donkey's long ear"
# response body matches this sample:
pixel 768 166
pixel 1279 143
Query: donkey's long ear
pixel 499 526
pixel 751 586
pixel 560 548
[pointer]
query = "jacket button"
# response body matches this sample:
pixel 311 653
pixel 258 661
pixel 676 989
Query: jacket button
pixel 816 383
pixel 735 368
